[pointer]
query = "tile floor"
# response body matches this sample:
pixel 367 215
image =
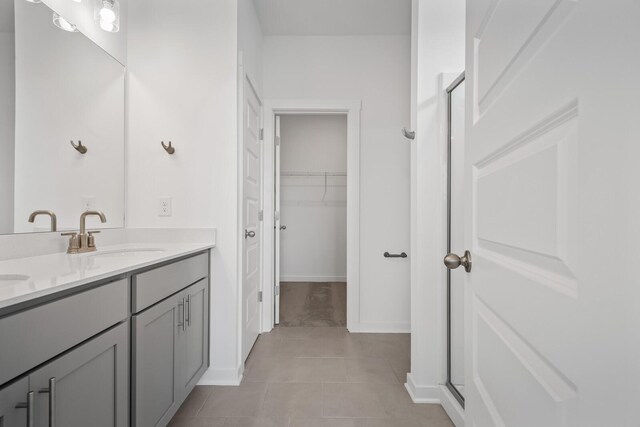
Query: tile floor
pixel 316 377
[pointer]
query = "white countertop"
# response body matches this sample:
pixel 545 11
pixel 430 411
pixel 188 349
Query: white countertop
pixel 52 273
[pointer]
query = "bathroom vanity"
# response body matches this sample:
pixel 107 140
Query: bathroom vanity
pixel 118 337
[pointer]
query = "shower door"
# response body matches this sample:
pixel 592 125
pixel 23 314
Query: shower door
pixel 455 238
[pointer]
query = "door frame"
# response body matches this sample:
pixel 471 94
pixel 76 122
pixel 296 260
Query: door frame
pixel 352 109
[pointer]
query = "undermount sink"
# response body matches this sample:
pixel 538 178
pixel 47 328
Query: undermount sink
pixel 12 279
pixel 117 253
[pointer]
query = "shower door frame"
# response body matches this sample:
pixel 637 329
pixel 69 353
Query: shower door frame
pixel 452 388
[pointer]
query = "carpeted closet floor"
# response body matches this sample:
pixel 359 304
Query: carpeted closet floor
pixel 313 304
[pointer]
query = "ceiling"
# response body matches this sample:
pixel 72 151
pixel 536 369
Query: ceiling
pixel 334 17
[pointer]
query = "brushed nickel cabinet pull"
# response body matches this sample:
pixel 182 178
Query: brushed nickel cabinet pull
pixel 189 312
pixel 183 324
pixel 28 405
pixel 52 400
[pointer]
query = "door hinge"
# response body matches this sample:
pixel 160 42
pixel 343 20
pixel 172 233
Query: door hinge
pixel 259 296
pixel 277 290
pixel 277 141
pixel 262 134
pixel 260 215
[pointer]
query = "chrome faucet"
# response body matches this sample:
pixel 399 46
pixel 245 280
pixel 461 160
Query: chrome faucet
pixel 54 220
pixel 84 241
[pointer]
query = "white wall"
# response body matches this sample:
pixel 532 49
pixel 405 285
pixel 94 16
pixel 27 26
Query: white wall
pixel 438 45
pixel 376 70
pixel 7 121
pixel 183 61
pixel 250 43
pixel 67 88
pixel 314 245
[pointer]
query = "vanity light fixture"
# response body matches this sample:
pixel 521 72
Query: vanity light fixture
pixel 107 15
pixel 34 1
pixel 63 24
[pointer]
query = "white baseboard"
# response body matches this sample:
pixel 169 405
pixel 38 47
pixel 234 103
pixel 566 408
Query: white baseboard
pixel 380 327
pixel 314 279
pixel 221 376
pixel 422 394
pixel 452 407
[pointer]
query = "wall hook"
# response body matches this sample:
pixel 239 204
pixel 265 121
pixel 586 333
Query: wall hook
pixel 79 148
pixel 409 134
pixel 168 148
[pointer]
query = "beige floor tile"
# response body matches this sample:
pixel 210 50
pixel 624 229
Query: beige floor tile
pixel 256 422
pixel 261 369
pixel 197 422
pixel 388 422
pixel 370 371
pixel 194 401
pixel 323 422
pixel 342 346
pixel 365 400
pixel 293 400
pixel 436 423
pixel 311 370
pixel 241 401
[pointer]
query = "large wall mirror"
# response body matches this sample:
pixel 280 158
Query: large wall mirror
pixel 57 89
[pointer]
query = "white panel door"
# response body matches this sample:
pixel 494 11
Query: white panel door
pixel 277 226
pixel 252 159
pixel 552 218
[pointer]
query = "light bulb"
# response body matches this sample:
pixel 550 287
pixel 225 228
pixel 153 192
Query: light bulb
pixel 63 24
pixel 107 14
pixel 107 26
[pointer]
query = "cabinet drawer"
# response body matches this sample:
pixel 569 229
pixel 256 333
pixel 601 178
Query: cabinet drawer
pixel 155 285
pixel 34 336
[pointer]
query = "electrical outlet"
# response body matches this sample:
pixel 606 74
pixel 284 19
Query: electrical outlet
pixel 88 203
pixel 164 206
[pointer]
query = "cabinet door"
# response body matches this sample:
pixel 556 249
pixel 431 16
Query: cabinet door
pixel 194 342
pixel 16 404
pixel 155 354
pixel 89 386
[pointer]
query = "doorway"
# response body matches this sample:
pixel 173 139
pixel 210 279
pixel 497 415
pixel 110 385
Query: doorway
pixel 455 237
pixel 311 240
pixel 274 111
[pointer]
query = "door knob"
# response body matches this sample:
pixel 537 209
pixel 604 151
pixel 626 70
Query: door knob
pixel 248 233
pixel 453 261
pixel 283 227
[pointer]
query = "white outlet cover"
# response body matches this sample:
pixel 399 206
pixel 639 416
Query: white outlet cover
pixel 164 206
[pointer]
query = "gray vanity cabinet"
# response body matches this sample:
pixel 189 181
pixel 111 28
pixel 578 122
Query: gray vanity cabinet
pixel 194 343
pixel 14 409
pixel 88 386
pixel 170 331
pixel 155 354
